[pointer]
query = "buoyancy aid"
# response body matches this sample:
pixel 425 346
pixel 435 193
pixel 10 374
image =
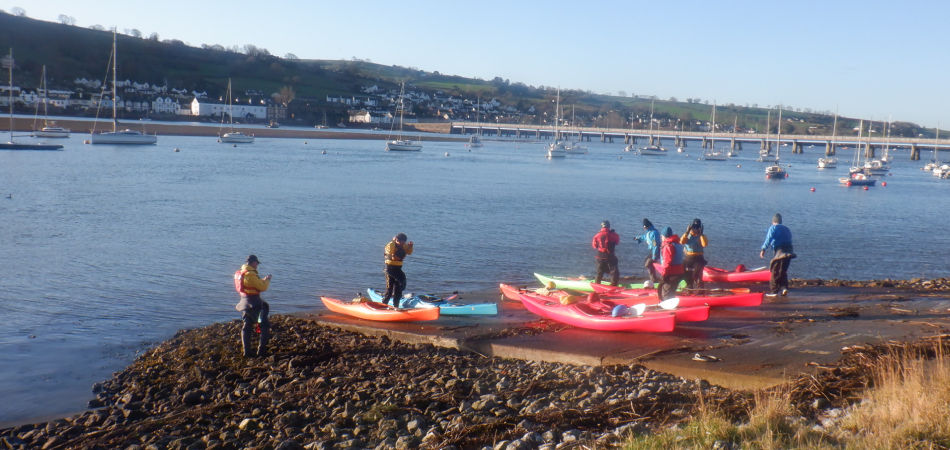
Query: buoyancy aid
pixel 394 253
pixel 605 241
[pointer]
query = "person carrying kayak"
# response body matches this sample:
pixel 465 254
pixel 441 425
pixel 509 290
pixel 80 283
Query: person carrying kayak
pixel 605 242
pixel 670 266
pixel 393 254
pixel 694 241
pixel 254 310
pixel 652 238
pixel 779 239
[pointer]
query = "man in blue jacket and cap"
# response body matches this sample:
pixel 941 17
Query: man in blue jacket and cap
pixel 779 239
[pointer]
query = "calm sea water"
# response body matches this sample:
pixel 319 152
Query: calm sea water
pixel 110 249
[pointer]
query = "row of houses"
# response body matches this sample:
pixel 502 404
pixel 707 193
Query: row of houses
pixel 199 105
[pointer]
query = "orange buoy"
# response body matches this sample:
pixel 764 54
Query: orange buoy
pixel 865 188
pixel 813 189
pixel 848 184
pixel 883 183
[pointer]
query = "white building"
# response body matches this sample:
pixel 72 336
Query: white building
pixel 205 108
pixel 165 105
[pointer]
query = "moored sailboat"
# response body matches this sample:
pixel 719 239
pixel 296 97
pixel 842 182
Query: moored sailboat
pixel 8 62
pixel 117 136
pixel 233 137
pixel 49 130
pixel 401 144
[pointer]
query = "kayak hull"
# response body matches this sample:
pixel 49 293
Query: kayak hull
pixel 582 284
pixel 583 315
pixel 445 307
pixel 717 275
pixel 379 312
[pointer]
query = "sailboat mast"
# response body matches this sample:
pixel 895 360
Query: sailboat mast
pixel 115 100
pixel 778 139
pixel 10 93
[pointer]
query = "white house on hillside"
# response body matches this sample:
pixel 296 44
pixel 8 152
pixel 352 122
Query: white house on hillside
pixel 204 107
pixel 165 105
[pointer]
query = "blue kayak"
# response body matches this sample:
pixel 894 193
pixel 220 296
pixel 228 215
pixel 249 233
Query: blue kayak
pixel 444 304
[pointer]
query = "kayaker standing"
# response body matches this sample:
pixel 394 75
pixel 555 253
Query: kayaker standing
pixel 652 238
pixel 779 239
pixel 254 310
pixel 670 266
pixel 394 253
pixel 605 242
pixel 694 241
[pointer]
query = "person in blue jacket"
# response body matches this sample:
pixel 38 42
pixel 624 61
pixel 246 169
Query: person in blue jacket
pixel 779 239
pixel 652 238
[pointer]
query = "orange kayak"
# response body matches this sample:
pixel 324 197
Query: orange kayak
pixel 380 312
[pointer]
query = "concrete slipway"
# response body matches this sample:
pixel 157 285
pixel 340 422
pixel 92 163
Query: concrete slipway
pixel 756 347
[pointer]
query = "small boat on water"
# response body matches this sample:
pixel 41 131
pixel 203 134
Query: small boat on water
pixel 714 155
pixel 653 150
pixel 12 144
pixel 829 162
pixel 117 136
pixel 232 137
pixel 857 179
pixel 401 144
pixel 49 130
pixel 775 172
pixel 52 131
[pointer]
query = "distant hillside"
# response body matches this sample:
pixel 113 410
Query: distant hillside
pixel 71 52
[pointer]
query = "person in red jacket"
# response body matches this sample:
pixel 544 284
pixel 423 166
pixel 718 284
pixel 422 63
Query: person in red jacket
pixel 605 242
pixel 670 266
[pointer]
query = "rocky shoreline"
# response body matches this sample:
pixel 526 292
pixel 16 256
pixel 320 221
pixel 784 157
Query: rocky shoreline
pixel 322 387
pixel 327 388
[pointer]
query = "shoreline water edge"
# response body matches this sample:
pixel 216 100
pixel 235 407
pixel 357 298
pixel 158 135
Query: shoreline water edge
pixel 323 387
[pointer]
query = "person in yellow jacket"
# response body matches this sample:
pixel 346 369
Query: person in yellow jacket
pixel 694 241
pixel 254 310
pixel 394 253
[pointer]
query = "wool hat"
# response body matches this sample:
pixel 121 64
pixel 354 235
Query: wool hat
pixel 667 232
pixel 647 223
pixel 401 237
pixel 252 259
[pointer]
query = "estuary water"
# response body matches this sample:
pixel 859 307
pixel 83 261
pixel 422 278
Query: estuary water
pixel 108 250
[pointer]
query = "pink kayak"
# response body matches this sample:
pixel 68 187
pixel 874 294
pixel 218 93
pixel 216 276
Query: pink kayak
pixel 740 275
pixel 584 315
pixel 648 296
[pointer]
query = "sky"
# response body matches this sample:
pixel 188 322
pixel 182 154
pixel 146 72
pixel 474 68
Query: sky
pixel 877 60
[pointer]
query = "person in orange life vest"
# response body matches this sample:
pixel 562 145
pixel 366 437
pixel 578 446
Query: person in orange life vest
pixel 605 242
pixel 253 309
pixel 670 266
pixel 694 241
pixel 394 253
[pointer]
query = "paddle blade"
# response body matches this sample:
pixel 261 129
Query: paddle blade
pixel 451 297
pixel 670 303
pixel 639 308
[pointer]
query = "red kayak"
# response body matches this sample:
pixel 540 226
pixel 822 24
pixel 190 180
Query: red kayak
pixel 740 275
pixel 585 315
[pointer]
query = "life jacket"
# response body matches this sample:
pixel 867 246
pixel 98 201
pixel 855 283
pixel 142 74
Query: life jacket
pixel 239 281
pixel 396 255
pixel 605 241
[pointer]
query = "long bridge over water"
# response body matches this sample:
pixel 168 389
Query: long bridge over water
pixel 706 139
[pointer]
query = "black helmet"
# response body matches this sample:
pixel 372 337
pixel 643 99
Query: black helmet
pixel 401 237
pixel 605 224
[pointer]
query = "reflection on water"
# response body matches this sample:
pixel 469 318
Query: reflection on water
pixel 109 249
